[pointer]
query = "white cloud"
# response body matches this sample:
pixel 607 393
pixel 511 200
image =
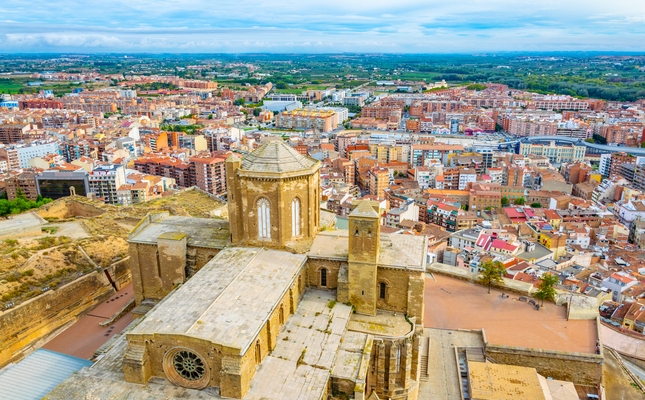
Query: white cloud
pixel 323 25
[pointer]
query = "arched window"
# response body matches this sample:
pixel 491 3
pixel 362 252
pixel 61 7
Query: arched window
pixel 258 352
pixel 382 290
pixel 281 315
pixel 323 277
pixel 295 217
pixel 264 219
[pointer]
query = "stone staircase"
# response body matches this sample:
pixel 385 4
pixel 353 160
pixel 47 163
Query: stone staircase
pixel 425 354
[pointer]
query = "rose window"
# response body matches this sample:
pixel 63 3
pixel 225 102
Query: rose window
pixel 188 365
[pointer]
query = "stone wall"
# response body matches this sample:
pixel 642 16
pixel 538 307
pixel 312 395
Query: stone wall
pixel 396 291
pixel 69 207
pixel 523 288
pixel 579 368
pixel 23 328
pixel 157 269
pixel 313 273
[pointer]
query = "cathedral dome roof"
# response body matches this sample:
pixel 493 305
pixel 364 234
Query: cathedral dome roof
pixel 276 156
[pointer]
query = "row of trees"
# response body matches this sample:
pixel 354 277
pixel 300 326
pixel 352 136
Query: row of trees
pixel 520 201
pixel 492 272
pixel 20 204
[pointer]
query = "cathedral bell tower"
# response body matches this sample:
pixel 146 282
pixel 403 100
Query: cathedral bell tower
pixel 364 244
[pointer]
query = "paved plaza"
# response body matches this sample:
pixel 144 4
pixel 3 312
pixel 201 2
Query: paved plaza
pixel 456 304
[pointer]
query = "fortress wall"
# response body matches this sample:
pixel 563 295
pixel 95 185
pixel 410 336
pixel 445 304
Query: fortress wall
pixel 25 327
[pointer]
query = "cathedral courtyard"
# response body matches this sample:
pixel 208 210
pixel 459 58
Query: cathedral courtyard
pixel 456 304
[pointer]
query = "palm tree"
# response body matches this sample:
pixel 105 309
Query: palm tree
pixel 491 272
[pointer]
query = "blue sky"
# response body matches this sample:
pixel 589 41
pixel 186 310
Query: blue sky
pixel 316 26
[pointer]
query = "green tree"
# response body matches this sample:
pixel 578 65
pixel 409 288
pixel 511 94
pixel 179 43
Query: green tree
pixel 239 102
pixel 599 139
pixel 519 201
pixel 20 194
pixel 536 205
pixel 546 290
pixel 491 272
pixel 504 201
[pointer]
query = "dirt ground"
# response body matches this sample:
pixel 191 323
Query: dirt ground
pixel 30 264
pixel 617 382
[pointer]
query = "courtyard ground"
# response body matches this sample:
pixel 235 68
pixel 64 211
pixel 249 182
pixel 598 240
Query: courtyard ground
pixel 85 336
pixel 456 304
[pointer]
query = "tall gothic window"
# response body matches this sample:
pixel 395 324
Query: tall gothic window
pixel 295 217
pixel 264 219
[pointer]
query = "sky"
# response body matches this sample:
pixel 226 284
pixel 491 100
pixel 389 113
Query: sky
pixel 321 26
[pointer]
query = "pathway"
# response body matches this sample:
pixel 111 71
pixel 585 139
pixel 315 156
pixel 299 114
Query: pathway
pixel 85 336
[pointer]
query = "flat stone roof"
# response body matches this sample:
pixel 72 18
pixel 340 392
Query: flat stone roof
pixel 384 323
pixel 305 352
pixel 200 232
pixel 537 254
pixel 350 355
pixel 396 251
pixel 229 300
pixel 490 381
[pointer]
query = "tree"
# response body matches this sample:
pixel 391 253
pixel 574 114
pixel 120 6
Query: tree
pixel 546 290
pixel 504 201
pixel 491 272
pixel 536 205
pixel 239 102
pixel 519 201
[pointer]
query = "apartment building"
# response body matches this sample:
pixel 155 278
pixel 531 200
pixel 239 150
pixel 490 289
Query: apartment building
pixel 466 176
pixel 378 181
pixel 347 168
pixel 557 153
pixel 484 197
pixel 209 174
pixel 18 156
pixel 421 154
pixel 13 132
pixel 26 182
pixel 104 180
pixel 321 121
pixel 617 160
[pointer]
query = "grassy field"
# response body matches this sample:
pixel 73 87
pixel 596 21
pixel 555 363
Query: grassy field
pixel 10 86
pixel 289 91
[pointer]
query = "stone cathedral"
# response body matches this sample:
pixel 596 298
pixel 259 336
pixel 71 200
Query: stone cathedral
pixel 269 304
